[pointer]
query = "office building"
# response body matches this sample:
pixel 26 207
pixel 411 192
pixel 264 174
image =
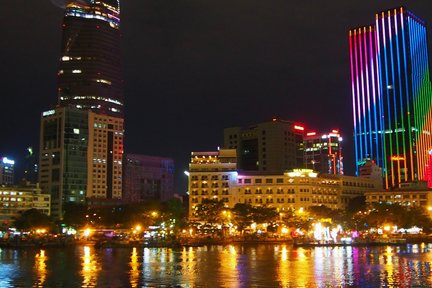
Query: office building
pixel 64 135
pixel 391 96
pixel 323 152
pixel 80 156
pixel 147 178
pixel 90 71
pixel 214 175
pixel 105 157
pixel 268 147
pixel 6 171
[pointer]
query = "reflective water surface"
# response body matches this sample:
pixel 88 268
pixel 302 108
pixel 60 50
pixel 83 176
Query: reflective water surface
pixel 218 266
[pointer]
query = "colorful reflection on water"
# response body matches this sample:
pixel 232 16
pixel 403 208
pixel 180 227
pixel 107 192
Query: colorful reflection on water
pixel 218 266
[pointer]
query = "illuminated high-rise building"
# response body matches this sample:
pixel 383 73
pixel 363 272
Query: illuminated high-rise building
pixel 392 96
pixel 323 152
pixel 6 171
pixel 90 72
pixel 80 157
pixel 81 140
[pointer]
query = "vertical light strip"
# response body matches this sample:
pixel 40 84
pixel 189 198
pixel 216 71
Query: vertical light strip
pixel 388 115
pixel 408 99
pixel 368 96
pixel 413 90
pixel 353 100
pixel 363 100
pixel 358 98
pixel 372 55
pixel 394 101
pixel 383 154
pixel 402 106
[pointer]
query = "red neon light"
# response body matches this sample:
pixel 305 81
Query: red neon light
pixel 297 127
pixel 311 134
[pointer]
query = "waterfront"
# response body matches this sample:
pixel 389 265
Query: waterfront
pixel 260 265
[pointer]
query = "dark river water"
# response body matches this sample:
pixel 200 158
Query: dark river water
pixel 218 266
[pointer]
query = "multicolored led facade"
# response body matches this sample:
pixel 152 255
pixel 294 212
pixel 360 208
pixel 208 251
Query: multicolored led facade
pixel 90 64
pixel 392 96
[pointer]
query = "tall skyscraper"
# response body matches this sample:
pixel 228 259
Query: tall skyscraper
pixel 90 72
pixel 81 140
pixel 392 96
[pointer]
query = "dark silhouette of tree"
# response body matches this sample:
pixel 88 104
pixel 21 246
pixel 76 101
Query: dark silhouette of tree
pixel 243 216
pixel 210 211
pixel 33 219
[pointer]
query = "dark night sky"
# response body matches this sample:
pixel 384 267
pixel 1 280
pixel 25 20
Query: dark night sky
pixel 194 67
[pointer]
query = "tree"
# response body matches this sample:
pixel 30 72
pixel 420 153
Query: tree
pixel 33 219
pixel 210 211
pixel 262 214
pixel 74 214
pixel 243 215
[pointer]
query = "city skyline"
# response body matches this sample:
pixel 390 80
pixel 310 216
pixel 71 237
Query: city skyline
pixel 187 62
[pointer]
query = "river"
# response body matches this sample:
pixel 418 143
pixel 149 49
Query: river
pixel 259 265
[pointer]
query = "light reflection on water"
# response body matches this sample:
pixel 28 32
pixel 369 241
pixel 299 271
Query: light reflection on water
pixel 218 266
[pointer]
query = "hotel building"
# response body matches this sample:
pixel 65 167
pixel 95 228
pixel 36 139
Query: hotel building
pixel 214 175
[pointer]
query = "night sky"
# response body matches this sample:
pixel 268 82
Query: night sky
pixel 194 67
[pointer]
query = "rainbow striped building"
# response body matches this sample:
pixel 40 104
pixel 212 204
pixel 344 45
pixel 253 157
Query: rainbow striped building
pixel 392 96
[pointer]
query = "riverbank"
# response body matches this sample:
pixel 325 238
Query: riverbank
pixel 199 242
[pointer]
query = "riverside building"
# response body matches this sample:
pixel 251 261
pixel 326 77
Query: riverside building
pixel 16 199
pixel 214 175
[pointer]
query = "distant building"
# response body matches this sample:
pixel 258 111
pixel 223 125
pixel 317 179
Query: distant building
pixel 80 156
pixel 369 169
pixel 148 178
pixel 31 168
pixel 214 175
pixel 16 199
pixel 6 171
pixel 268 147
pixel 323 152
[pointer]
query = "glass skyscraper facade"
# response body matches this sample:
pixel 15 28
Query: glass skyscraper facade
pixel 392 96
pixel 90 65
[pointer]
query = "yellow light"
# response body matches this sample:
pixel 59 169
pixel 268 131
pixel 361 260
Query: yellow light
pixel 138 228
pixel 154 214
pixel 87 232
pixel 284 230
pixel 387 228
